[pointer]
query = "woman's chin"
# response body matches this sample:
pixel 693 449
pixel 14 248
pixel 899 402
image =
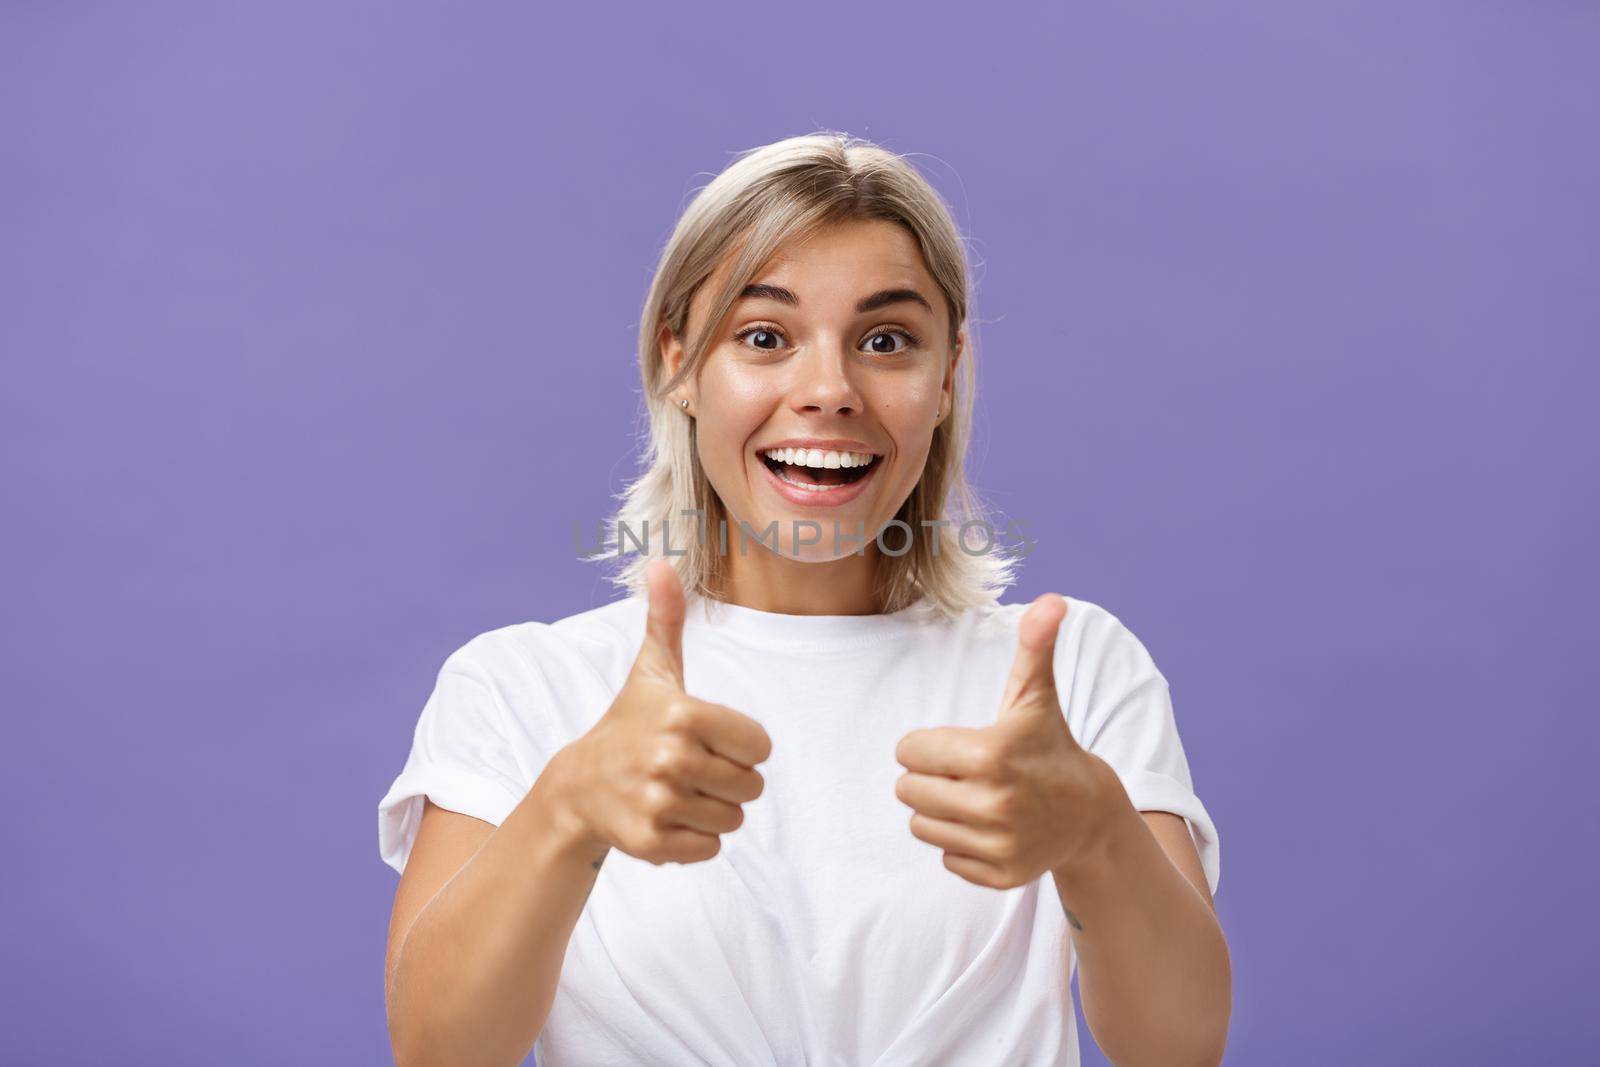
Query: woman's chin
pixel 805 538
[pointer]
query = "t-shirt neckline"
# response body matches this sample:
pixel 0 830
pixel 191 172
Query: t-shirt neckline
pixel 801 631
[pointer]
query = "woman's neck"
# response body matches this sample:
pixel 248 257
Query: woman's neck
pixel 766 581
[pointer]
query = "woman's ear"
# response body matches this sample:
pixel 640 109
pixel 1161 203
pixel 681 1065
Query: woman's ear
pixel 949 384
pixel 671 351
pixel 671 359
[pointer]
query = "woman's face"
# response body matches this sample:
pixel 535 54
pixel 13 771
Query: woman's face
pixel 837 355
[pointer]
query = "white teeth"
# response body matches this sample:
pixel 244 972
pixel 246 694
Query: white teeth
pixel 808 485
pixel 816 457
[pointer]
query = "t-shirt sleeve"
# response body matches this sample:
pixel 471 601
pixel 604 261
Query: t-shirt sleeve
pixel 1129 723
pixel 461 757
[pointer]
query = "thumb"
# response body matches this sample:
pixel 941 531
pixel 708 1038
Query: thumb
pixel 662 651
pixel 1033 670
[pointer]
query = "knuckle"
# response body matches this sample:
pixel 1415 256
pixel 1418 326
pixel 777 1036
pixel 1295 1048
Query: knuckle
pixel 667 761
pixel 993 762
pixel 644 842
pixel 1006 803
pixel 658 800
pixel 679 714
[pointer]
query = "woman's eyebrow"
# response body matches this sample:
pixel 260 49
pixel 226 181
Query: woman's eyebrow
pixel 882 298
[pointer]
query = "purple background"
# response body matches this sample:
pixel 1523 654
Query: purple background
pixel 318 336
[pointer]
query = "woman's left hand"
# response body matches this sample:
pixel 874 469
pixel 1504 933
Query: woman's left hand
pixel 1011 801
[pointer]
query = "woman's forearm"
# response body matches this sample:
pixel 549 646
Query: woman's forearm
pixel 475 978
pixel 1153 968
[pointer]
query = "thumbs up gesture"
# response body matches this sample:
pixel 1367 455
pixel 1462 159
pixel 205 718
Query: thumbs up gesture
pixel 662 774
pixel 1010 801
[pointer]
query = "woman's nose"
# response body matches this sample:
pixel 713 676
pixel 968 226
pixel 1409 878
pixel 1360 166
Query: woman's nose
pixel 824 382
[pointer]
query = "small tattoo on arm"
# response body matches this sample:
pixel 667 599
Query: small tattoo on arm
pixel 1073 919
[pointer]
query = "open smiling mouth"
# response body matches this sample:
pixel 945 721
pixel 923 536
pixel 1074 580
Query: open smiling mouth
pixel 810 470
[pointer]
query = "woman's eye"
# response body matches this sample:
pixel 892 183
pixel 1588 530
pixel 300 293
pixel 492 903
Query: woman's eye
pixel 878 350
pixel 761 333
pixel 879 344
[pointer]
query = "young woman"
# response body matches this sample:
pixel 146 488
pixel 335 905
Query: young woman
pixel 959 801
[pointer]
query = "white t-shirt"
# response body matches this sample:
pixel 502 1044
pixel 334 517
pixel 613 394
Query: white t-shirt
pixel 823 932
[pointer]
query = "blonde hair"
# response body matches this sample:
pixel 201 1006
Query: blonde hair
pixel 767 197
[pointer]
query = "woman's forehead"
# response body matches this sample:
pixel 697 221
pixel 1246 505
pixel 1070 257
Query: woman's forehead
pixel 808 283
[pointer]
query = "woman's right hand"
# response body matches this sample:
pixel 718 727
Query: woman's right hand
pixel 662 773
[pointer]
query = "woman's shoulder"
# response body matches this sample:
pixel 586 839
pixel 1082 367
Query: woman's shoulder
pixel 1089 630
pixel 601 636
pixel 1005 615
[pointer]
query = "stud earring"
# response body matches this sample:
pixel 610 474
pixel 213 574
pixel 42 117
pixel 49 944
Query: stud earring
pixel 684 404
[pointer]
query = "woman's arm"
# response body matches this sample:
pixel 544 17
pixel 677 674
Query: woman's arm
pixel 660 777
pixel 1153 967
pixel 481 923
